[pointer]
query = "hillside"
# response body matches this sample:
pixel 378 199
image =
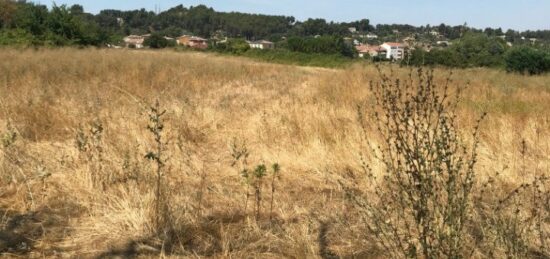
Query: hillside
pixel 78 165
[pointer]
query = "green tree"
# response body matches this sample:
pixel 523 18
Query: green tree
pixel 64 27
pixel 156 41
pixel 527 60
pixel 7 11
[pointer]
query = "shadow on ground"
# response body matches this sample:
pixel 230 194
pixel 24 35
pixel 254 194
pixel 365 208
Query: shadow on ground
pixel 21 232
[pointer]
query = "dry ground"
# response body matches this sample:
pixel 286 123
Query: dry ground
pixel 301 118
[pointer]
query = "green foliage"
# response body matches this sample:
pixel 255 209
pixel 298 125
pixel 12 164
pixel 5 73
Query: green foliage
pixel 528 60
pixel 156 41
pixel 234 46
pixel 64 28
pixel 284 56
pixel 7 10
pixel 323 44
pixel 17 37
pixel 472 50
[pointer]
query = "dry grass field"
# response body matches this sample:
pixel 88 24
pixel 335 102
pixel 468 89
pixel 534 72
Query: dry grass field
pixel 75 180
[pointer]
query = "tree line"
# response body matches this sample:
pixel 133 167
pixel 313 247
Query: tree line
pixel 72 25
pixel 30 24
pixel 476 49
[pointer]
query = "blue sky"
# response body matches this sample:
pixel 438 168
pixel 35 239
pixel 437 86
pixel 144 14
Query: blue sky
pixel 515 14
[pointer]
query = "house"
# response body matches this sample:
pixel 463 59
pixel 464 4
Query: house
pixel 373 51
pixel 352 29
pixel 261 44
pixel 394 50
pixel 135 41
pixel 192 42
pixel 372 36
pixel 434 33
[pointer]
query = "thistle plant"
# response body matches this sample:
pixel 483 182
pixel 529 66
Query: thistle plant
pixel 240 154
pixel 90 143
pixel 259 174
pixel 420 206
pixel 9 136
pixel 515 224
pixel 156 128
pixel 274 175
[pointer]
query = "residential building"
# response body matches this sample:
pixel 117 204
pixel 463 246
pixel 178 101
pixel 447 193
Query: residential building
pixel 394 50
pixel 372 36
pixel 135 41
pixel 373 51
pixel 192 42
pixel 352 29
pixel 261 44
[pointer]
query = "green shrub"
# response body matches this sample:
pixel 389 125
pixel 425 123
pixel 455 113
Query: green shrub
pixel 234 46
pixel 528 60
pixel 156 41
pixel 323 44
pixel 284 56
pixel 16 37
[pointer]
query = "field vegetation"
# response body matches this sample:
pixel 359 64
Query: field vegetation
pixel 186 154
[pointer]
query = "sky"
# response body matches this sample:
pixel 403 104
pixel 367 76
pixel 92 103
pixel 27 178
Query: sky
pixel 507 14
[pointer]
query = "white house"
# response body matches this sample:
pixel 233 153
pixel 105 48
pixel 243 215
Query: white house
pixel 372 36
pixel 394 50
pixel 135 41
pixel 262 44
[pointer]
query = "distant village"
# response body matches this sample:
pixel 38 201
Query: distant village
pixel 366 44
pixel 195 42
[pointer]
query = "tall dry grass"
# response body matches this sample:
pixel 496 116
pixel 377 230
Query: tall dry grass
pixel 304 119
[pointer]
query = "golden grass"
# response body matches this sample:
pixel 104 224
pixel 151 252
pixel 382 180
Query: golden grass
pixel 302 118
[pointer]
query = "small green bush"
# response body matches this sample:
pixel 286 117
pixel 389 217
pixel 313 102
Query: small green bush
pixel 156 41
